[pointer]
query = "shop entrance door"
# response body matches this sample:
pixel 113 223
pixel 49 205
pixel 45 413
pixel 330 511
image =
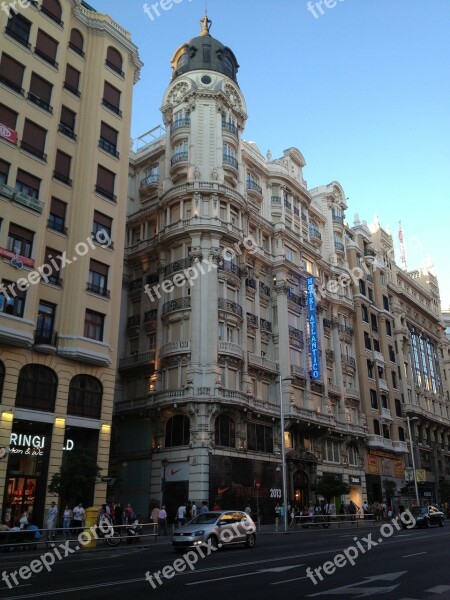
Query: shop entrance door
pixel 20 495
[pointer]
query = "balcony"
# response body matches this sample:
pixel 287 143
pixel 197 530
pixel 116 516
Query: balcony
pixel 230 267
pixel 45 341
pixel 296 299
pixel 230 306
pixel 150 180
pixel 252 321
pixel 134 285
pixel 135 360
pixel 261 362
pixel 41 103
pixel 32 150
pixel 400 447
pixel 178 265
pixel 112 107
pixel 315 236
pixel 150 315
pixel 338 219
pixel 383 385
pixel 351 392
pixel 108 147
pixel 385 414
pixel 378 441
pixel 133 321
pixel 68 131
pixel 179 304
pixel 28 201
pixel 230 161
pixel 265 325
pixel 175 347
pixel 12 85
pixel 230 127
pixel 276 200
pixel 348 361
pixel 105 193
pixel 16 35
pixel 179 158
pixel 264 289
pixel 339 247
pixel 56 224
pixel 296 211
pixel 334 389
pixel 287 204
pixel 253 186
pixel 297 371
pixel 250 283
pixel 62 177
pixel 180 124
pixel 378 357
pixel 231 349
pixel 296 337
pixel 329 356
pixel 99 290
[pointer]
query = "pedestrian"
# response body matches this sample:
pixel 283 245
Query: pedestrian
pixel 365 508
pixel 277 516
pixel 204 508
pixel 248 510
pixel 118 512
pixel 162 521
pixel 181 514
pixel 154 518
pixel 51 521
pixel 67 519
pixel 352 509
pixel 78 517
pixel 216 506
pixel 194 510
pixel 128 514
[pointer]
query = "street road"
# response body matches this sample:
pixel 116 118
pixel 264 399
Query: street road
pixel 408 565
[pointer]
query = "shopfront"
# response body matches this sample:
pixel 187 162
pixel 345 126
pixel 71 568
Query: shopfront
pixel 383 466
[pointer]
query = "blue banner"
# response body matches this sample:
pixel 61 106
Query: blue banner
pixel 313 336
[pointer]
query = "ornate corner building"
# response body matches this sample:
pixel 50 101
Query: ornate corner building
pixel 66 82
pixel 229 297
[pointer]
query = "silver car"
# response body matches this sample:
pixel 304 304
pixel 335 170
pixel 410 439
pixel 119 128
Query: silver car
pixel 216 528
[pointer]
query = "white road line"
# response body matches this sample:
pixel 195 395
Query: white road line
pixel 439 589
pixel 259 572
pixel 415 554
pixel 77 589
pixel 288 580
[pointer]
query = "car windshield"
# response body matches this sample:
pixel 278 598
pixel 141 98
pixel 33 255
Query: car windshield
pixel 205 518
pixel 419 510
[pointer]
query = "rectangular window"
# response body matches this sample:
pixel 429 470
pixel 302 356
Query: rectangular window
pixel 40 92
pixel 33 139
pixel 12 300
pixel 370 293
pixel 11 73
pixel 45 324
pixel 102 223
pixel 18 28
pixel 376 345
pixel 388 328
pixel 20 240
pixel 62 167
pixel 391 354
pixel 108 139
pixel 72 80
pixel 394 379
pixel 111 98
pixel 331 451
pixel 67 122
pixel 374 322
pixel 398 408
pixel 8 117
pixel 94 325
pixel 4 171
pixel 373 399
pixel 27 184
pixel 385 303
pixel 53 260
pixel 367 342
pixel 57 216
pixel 370 368
pixel 259 437
pixel 365 313
pixel 362 287
pixel 98 278
pixel 46 47
pixel 401 434
pixel 105 183
pixel 376 427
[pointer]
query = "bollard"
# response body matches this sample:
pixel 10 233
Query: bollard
pixel 88 536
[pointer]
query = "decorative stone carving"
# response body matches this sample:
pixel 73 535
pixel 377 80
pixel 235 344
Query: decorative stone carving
pixel 195 254
pixel 197 173
pixel 215 199
pixel 178 91
pixel 215 255
pixel 214 174
pixel 281 287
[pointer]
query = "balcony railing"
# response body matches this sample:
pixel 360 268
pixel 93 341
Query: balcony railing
pixel 136 284
pixel 32 150
pixel 251 283
pixel 264 289
pixel 230 267
pixel 252 185
pixel 150 315
pixel 46 57
pixel 17 36
pixel 47 338
pixel 252 320
pixel 265 325
pixel 179 157
pixel 179 123
pixel 62 177
pixel 177 265
pixel 230 127
pixel 231 348
pixel 329 355
pixel 262 362
pixel 71 88
pixel 114 67
pixel 369 252
pixel 106 193
pixel 133 321
pixel 295 333
pixel 175 347
pixel 338 219
pixel 133 360
pixel 298 371
pixel 76 49
pixel 178 304
pixel 345 329
pixel 230 161
pixel 51 15
pixel 348 360
pixel 39 102
pixel 339 246
pixel 149 180
pixel 287 204
pixel 276 200
pixel 296 211
pixel 12 85
pixel 296 299
pixel 108 147
pixel 100 290
pixel 230 306
pixel 66 130
pixel 313 232
pixel 113 107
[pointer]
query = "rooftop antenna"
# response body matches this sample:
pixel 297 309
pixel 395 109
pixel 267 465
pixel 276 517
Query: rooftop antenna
pixel 402 246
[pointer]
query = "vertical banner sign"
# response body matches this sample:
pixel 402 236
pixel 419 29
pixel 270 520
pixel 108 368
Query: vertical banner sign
pixel 315 370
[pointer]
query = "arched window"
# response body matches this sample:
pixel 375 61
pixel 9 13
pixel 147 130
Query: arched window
pixel 85 397
pixel 228 66
pixel 52 8
pixel 76 42
pixel 177 431
pixel 183 62
pixel 36 388
pixel 224 431
pixel 2 378
pixel 114 60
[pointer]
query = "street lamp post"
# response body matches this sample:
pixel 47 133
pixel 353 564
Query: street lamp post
pixel 413 460
pixel 164 464
pixel 283 454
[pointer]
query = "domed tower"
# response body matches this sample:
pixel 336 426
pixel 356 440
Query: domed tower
pixel 200 366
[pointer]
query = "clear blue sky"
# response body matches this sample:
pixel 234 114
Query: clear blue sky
pixel 363 91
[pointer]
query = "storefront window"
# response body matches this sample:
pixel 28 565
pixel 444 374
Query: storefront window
pixel 85 397
pixel 36 388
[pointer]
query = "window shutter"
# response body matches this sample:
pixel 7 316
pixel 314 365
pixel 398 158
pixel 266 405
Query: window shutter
pixel 41 88
pixel 46 45
pixel 108 133
pixel 67 117
pixel 8 117
pixel 27 179
pixel 111 95
pixel 62 163
pixel 11 70
pixel 34 135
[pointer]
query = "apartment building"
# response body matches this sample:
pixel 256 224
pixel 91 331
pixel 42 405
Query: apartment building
pixel 230 300
pixel 66 82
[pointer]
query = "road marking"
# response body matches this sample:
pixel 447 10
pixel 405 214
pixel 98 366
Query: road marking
pixel 415 554
pixel 361 592
pixel 288 580
pixel 439 589
pixel 273 570
pixel 77 589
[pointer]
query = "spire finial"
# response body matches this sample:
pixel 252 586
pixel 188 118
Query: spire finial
pixel 205 25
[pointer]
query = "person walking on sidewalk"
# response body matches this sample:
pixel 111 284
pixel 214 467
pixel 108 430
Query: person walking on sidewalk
pixel 162 521
pixel 51 521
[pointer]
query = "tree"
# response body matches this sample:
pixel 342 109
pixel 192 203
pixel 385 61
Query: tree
pixel 389 489
pixel 329 486
pixel 76 478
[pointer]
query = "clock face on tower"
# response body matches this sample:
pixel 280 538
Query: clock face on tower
pixel 206 79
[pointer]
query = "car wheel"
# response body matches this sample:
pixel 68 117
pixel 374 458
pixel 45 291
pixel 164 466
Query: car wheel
pixel 213 542
pixel 427 523
pixel 251 540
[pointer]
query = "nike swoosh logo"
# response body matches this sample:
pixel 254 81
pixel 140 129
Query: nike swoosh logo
pixel 173 472
pixel 222 490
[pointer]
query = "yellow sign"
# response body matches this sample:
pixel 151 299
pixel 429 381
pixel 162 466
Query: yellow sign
pixel 421 476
